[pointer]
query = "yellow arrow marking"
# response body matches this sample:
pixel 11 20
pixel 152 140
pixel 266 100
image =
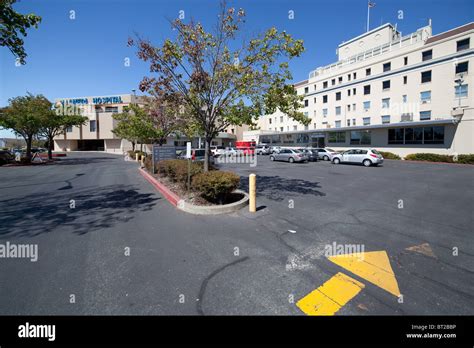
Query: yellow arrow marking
pixel 373 266
pixel 331 296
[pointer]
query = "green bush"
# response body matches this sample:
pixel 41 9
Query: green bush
pixel 431 157
pixel 177 170
pixel 216 186
pixel 466 159
pixel 148 164
pixel 390 155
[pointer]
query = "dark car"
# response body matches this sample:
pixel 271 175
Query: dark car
pixel 312 154
pixel 6 157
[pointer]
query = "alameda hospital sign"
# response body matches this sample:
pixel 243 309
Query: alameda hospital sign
pixel 95 100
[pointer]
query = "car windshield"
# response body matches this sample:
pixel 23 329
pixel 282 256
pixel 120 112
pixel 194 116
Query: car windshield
pixel 331 150
pixel 297 151
pixel 376 152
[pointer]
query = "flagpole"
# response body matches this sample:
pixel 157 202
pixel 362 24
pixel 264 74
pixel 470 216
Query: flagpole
pixel 368 15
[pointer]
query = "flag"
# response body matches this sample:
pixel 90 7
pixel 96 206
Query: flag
pixel 371 4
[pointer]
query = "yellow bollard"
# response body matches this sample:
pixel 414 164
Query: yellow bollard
pixel 143 160
pixel 136 157
pixel 252 193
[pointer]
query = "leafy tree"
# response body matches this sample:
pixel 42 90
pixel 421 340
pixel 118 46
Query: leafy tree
pixel 25 116
pixel 221 78
pixel 13 25
pixel 56 121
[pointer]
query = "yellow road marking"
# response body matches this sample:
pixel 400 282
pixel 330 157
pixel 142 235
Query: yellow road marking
pixel 331 296
pixel 373 266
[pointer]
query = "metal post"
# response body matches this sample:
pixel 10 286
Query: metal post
pixel 252 193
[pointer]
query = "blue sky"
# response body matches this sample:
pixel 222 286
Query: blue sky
pixel 85 56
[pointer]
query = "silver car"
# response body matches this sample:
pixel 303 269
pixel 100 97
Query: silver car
pixel 326 153
pixel 289 155
pixel 262 150
pixel 367 157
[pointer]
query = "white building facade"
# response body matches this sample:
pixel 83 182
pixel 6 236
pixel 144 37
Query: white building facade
pixel 403 94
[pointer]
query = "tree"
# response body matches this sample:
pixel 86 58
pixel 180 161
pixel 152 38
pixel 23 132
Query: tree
pixel 13 25
pixel 56 121
pixel 25 116
pixel 220 77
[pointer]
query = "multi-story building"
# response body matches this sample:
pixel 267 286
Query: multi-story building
pixel 97 135
pixel 403 94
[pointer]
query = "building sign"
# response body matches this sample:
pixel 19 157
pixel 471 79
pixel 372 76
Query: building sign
pixel 318 135
pixel 95 100
pixel 161 153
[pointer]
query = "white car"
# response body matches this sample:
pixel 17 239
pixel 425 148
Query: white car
pixel 367 157
pixel 217 150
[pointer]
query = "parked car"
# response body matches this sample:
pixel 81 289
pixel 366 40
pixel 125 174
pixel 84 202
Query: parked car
pixel 367 157
pixel 217 150
pixel 6 157
pixel 262 150
pixel 230 151
pixel 311 153
pixel 289 155
pixel 197 155
pixel 326 153
pixel 275 149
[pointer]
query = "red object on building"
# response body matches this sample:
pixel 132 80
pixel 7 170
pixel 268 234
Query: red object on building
pixel 248 147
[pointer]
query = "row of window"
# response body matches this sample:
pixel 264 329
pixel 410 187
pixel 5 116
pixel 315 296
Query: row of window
pixel 92 127
pixel 461 45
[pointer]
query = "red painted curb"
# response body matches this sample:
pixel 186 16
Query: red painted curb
pixel 172 197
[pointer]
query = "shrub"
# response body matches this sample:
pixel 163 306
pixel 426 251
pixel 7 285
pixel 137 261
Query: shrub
pixel 466 159
pixel 216 186
pixel 390 155
pixel 431 157
pixel 177 170
pixel 148 164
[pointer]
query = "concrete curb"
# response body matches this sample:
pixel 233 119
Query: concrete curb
pixel 187 207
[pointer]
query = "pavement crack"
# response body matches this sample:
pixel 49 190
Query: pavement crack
pixel 204 283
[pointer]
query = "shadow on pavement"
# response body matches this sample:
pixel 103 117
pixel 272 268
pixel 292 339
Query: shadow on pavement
pixel 277 188
pixel 95 208
pixel 84 160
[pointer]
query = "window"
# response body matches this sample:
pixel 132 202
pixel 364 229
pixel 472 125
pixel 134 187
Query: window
pixel 386 103
pixel 338 124
pixel 366 89
pixel 269 121
pixel 340 79
pixel 337 137
pixel 425 97
pixel 306 90
pixel 338 110
pixel 69 129
pixel 427 55
pixel 348 92
pixel 360 138
pixel 295 127
pixel 281 129
pixel 348 77
pixel 325 84
pixel 353 121
pixel 460 91
pixel 354 75
pixel 462 45
pixel 462 67
pixel 348 123
pixel 366 105
pixel 281 119
pixel 405 60
pixel 368 72
pixel 314 100
pixel 385 119
pixel 414 135
pixel 366 121
pixel 404 98
pixel 314 125
pixel 405 80
pixel 386 85
pixel 113 109
pixel 348 107
pixel 314 87
pixel 338 96
pixel 325 112
pixel 306 102
pixel 325 98
pixel 395 135
pixel 426 76
pixel 333 82
pixel 387 67
pixel 353 91
pixel 92 126
pixel 425 115
pixel 353 107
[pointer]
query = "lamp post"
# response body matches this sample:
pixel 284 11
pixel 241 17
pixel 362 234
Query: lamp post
pixel 459 81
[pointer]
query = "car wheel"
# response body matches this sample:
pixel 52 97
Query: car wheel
pixel 326 158
pixel 291 160
pixel 367 162
pixel 272 158
pixel 336 161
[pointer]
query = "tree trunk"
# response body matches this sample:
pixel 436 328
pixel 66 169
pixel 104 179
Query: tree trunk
pixel 133 146
pixel 29 139
pixel 207 148
pixel 141 147
pixel 50 148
